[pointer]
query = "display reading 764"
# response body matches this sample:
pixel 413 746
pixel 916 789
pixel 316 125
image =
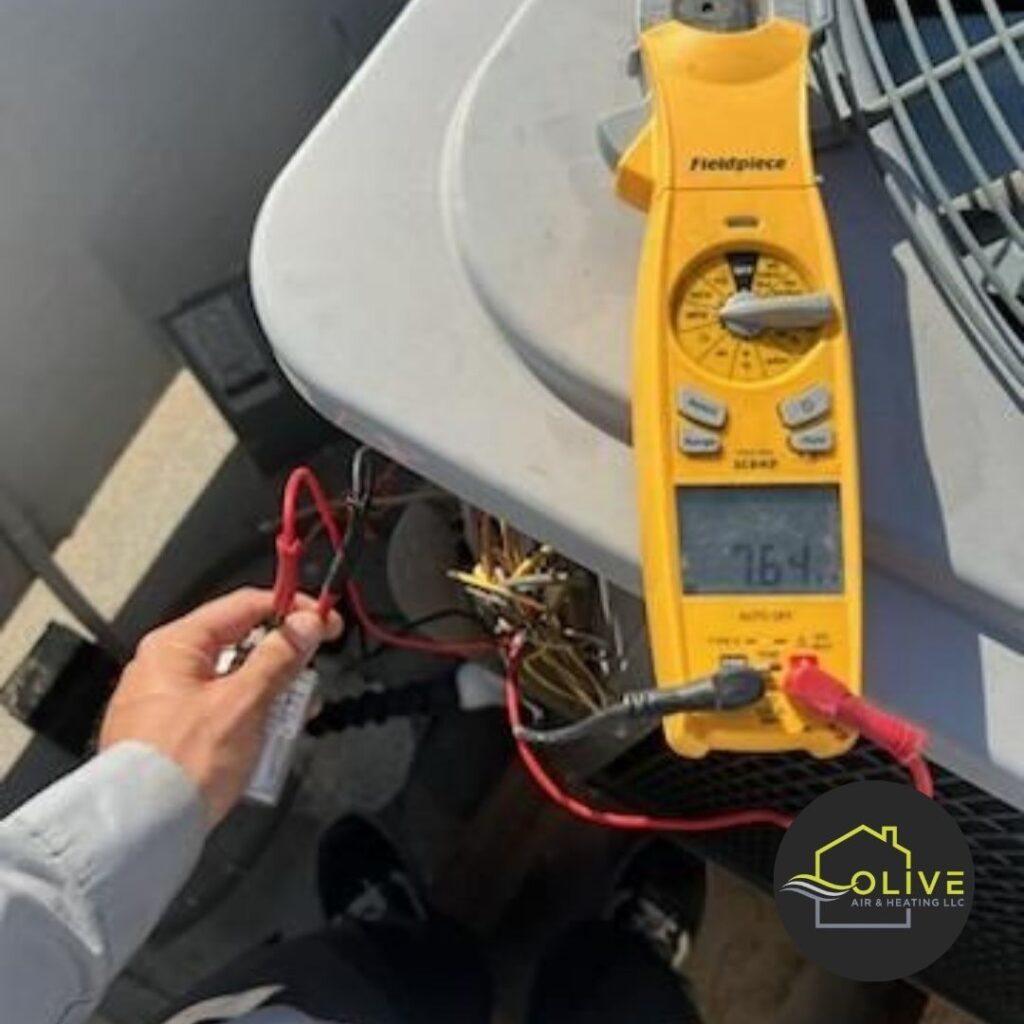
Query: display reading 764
pixel 772 540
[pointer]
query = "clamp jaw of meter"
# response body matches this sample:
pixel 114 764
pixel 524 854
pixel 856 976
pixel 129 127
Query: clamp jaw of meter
pixel 743 406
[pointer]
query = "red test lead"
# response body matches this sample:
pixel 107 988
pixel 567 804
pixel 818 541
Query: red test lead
pixel 824 696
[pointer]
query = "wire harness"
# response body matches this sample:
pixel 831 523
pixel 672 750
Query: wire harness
pixel 806 683
pixel 607 818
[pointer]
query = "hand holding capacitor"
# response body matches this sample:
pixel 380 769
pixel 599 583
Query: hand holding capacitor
pixel 171 696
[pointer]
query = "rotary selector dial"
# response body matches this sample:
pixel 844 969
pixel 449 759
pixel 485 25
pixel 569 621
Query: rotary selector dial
pixel 748 316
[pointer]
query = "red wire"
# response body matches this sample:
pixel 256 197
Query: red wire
pixel 921 776
pixel 377 632
pixel 289 544
pixel 289 551
pixel 614 819
pixel 828 698
pixel 301 477
pixel 289 554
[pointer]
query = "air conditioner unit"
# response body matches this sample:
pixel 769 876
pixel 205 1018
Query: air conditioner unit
pixel 444 271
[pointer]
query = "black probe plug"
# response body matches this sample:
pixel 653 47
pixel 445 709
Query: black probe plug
pixel 730 689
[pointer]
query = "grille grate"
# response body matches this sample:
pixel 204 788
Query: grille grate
pixel 939 87
pixel 983 972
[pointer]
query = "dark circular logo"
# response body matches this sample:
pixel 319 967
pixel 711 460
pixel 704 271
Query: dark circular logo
pixel 874 881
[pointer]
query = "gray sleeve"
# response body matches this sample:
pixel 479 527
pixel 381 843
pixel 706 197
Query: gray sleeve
pixel 86 869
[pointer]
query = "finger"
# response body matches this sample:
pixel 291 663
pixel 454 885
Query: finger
pixel 334 626
pixel 221 622
pixel 281 655
pixel 225 621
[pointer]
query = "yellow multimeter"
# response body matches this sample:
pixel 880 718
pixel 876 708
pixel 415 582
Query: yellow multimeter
pixel 743 399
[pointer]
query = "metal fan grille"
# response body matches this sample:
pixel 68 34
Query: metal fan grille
pixel 939 86
pixel 983 972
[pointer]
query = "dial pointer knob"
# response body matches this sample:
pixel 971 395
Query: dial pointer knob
pixel 747 314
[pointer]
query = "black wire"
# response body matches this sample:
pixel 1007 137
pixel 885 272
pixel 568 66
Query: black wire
pixel 345 559
pixel 597 721
pixel 406 627
pixel 726 690
pixel 439 616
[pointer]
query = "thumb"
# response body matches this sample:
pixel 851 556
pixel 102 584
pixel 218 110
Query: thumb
pixel 281 655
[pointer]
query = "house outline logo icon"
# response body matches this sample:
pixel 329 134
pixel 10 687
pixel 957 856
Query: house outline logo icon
pixel 820 890
pixel 874 881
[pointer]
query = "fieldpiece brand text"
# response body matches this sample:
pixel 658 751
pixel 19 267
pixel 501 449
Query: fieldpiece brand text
pixel 739 164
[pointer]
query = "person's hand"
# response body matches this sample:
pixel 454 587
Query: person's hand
pixel 170 697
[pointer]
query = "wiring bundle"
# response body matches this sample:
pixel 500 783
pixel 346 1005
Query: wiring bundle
pixel 523 590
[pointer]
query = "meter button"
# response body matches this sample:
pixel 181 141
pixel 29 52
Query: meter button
pixel 698 442
pixel 816 441
pixel 809 405
pixel 710 412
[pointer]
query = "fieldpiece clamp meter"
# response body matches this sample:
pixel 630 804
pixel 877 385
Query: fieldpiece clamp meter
pixel 743 405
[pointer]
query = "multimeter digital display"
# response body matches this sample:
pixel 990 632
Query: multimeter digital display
pixel 761 540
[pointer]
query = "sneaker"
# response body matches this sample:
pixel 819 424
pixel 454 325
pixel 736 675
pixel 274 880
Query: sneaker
pixel 659 896
pixel 361 876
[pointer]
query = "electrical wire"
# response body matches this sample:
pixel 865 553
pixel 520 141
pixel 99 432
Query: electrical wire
pixel 615 819
pixel 348 552
pixel 305 478
pixel 543 670
pixel 443 649
pixel 404 628
pixel 813 690
pixel 826 696
pixel 726 690
pixel 921 776
pixel 603 720
pixel 523 587
pixel 899 738
pixel 290 547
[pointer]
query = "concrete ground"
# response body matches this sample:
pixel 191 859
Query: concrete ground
pixel 745 968
pixel 161 474
pixel 178 496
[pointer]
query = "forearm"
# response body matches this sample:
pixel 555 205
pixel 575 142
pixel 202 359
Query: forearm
pixel 86 869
